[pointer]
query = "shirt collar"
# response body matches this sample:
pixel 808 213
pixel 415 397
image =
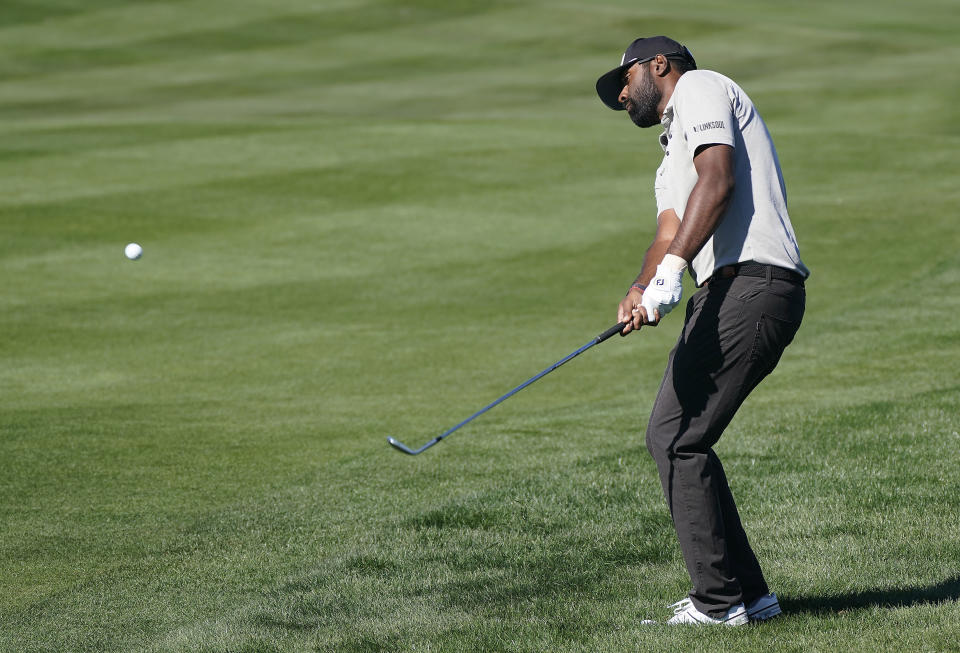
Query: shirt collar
pixel 667 116
pixel 665 120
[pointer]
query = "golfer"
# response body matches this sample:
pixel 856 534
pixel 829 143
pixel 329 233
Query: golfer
pixel 722 215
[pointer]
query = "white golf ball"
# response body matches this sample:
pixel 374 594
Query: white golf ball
pixel 133 251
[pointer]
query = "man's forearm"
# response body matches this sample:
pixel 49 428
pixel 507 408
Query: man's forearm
pixel 629 310
pixel 667 225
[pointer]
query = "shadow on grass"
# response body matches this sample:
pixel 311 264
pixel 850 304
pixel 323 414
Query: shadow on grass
pixel 947 590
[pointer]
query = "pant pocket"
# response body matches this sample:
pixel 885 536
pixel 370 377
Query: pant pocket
pixel 772 336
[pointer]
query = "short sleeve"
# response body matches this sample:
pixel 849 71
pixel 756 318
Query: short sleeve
pixel 705 110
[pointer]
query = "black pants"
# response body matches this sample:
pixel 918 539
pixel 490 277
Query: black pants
pixel 734 333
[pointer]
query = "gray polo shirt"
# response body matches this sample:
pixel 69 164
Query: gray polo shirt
pixel 709 108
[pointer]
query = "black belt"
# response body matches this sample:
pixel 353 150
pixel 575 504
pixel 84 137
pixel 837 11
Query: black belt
pixel 751 269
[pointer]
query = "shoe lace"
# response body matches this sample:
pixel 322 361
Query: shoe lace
pixel 681 606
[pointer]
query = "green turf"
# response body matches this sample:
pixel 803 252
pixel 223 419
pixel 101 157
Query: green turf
pixel 365 218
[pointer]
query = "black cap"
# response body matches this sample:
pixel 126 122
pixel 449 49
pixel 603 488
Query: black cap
pixel 610 84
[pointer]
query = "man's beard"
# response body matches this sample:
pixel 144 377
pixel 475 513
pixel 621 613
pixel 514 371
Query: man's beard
pixel 643 101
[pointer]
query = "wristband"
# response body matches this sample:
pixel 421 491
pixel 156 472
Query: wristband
pixel 639 286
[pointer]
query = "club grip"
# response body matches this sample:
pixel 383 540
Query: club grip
pixel 612 331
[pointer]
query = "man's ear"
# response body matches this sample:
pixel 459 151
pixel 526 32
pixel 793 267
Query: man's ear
pixel 661 66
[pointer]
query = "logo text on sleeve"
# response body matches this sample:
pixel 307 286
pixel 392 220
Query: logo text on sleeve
pixel 716 124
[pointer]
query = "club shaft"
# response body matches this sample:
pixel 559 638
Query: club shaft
pixel 600 338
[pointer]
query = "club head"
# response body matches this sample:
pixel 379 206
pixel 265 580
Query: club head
pixel 396 444
pixel 413 452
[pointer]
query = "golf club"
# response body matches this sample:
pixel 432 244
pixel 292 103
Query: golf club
pixel 617 328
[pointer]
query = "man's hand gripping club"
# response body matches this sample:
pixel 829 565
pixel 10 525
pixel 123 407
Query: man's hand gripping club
pixel 649 305
pixel 664 290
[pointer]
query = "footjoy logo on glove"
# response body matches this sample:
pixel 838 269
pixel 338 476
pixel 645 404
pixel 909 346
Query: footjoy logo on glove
pixel 660 282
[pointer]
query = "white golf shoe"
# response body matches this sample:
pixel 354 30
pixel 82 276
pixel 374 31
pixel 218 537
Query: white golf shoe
pixel 763 608
pixel 685 612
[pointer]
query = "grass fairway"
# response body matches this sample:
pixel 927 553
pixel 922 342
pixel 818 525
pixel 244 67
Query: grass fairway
pixel 365 218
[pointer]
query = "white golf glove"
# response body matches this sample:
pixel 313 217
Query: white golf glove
pixel 665 289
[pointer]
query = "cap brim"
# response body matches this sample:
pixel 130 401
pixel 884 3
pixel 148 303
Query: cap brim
pixel 610 84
